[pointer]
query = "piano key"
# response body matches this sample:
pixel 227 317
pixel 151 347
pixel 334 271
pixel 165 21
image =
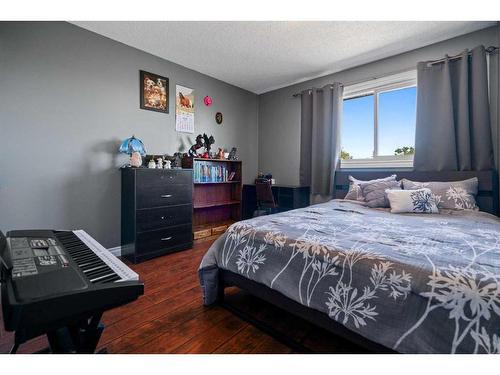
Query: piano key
pixel 84 257
pixel 96 279
pixel 90 263
pixel 82 243
pixel 97 267
pixel 108 279
pixel 99 272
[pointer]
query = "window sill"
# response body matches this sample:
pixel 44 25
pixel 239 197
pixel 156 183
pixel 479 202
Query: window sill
pixel 379 162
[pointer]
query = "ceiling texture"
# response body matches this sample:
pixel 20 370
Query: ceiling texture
pixel 263 56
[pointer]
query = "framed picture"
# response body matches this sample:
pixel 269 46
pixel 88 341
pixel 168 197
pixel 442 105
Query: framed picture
pixel 154 92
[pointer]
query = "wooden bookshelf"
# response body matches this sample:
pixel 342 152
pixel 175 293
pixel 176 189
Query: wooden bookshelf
pixel 216 199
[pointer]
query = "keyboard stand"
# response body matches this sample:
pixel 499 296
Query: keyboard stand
pixel 80 338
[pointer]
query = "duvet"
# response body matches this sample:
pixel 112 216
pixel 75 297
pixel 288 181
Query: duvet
pixel 413 283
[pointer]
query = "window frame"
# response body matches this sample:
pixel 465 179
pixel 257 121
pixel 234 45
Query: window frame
pixel 375 87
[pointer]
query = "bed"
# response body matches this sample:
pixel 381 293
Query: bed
pixel 409 283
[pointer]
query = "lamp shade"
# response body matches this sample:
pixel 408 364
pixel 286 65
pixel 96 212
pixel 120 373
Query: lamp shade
pixel 131 145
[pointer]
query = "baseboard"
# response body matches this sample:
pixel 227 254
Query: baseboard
pixel 116 251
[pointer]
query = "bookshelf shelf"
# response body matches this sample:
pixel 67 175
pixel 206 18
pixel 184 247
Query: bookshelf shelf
pixel 215 204
pixel 217 186
pixel 222 182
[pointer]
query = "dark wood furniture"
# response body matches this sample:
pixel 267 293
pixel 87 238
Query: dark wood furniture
pixel 487 201
pixel 264 194
pixel 157 212
pixel 216 197
pixel 487 198
pixel 287 197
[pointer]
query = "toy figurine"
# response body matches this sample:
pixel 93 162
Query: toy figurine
pixel 152 164
pixel 232 154
pixel 208 142
pixel 136 159
pixel 177 162
pixel 168 164
pixel 193 151
pixel 220 153
pixel 159 163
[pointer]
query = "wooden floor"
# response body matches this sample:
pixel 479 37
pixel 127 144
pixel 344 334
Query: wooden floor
pixel 170 318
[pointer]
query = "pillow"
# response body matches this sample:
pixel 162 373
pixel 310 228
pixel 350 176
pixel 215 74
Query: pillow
pixel 416 201
pixel 453 195
pixel 355 193
pixel 374 192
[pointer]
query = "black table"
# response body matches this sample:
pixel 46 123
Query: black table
pixel 287 197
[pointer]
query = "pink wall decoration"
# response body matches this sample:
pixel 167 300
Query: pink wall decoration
pixel 207 100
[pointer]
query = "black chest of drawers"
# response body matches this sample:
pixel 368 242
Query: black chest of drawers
pixel 157 212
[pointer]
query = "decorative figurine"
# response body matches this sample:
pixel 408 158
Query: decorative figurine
pixel 152 164
pixel 159 163
pixel 168 164
pixel 220 153
pixel 135 159
pixel 193 151
pixel 232 154
pixel 177 162
pixel 208 142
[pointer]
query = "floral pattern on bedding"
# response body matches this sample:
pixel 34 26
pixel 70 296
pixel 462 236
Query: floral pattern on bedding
pixel 413 283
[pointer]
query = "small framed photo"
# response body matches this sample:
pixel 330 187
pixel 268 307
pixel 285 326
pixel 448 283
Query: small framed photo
pixel 154 92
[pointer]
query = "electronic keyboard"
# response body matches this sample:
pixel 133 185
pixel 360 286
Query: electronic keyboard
pixel 59 283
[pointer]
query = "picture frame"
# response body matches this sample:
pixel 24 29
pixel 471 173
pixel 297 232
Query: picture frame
pixel 154 92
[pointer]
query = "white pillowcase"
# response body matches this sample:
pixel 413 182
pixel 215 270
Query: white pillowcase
pixel 414 201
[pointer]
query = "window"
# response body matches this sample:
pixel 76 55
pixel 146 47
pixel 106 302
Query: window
pixel 378 123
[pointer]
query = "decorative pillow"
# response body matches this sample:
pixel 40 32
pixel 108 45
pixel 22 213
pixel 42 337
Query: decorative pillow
pixel 416 201
pixel 374 192
pixel 453 195
pixel 355 193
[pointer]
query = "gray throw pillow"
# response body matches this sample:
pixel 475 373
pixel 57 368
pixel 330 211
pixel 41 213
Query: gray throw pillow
pixel 374 192
pixel 452 195
pixel 355 193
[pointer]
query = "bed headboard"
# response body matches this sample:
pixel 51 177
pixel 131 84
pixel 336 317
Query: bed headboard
pixel 487 198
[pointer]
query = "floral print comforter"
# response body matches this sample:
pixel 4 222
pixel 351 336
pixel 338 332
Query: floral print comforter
pixel 416 283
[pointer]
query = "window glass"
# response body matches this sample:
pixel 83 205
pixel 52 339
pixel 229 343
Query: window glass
pixel 396 121
pixel 357 128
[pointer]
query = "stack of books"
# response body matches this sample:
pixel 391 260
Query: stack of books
pixel 210 173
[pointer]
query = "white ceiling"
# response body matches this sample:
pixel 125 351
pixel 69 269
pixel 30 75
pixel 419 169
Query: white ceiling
pixel 262 56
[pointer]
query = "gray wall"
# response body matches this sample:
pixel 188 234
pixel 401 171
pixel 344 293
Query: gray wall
pixel 67 98
pixel 279 112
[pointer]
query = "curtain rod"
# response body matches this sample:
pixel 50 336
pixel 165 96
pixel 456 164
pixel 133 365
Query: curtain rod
pixel 490 50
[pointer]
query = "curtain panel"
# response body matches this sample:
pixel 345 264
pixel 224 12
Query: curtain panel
pixel 321 111
pixel 453 129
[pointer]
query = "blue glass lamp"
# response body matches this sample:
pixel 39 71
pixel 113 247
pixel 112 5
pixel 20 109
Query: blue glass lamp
pixel 135 148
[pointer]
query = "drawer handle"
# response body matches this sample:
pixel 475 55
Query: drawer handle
pixel 166 196
pixel 166 238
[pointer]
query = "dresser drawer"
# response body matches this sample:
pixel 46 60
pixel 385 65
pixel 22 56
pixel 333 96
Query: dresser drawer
pixel 163 195
pixel 157 218
pixel 163 239
pixel 156 177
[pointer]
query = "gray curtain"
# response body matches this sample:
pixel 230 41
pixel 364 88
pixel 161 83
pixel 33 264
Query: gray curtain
pixel 453 130
pixel 321 111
